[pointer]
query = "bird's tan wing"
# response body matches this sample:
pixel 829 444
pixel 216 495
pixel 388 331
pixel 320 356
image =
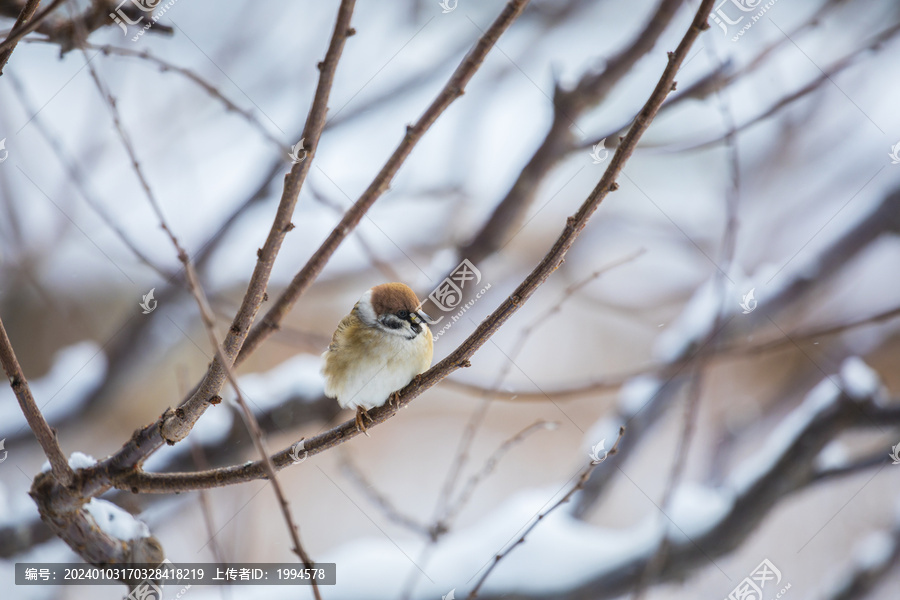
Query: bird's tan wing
pixel 340 334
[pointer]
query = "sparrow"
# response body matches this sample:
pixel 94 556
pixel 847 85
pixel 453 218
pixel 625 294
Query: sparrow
pixel 382 345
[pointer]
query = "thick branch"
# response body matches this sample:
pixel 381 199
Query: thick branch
pixel 568 106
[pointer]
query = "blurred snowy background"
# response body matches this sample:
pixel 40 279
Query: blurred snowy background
pixel 787 392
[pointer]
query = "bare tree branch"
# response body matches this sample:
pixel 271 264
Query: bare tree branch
pixel 453 90
pixel 582 478
pixel 791 469
pixel 7 47
pixel 45 436
pixel 61 505
pixel 508 215
pixel 459 358
pixel 23 27
pixel 209 88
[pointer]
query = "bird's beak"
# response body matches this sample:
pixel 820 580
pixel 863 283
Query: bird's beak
pixel 423 316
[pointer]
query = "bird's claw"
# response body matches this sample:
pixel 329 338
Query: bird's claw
pixel 361 416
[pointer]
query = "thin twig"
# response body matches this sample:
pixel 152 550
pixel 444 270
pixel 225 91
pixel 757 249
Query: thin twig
pixel 790 470
pixel 829 73
pixel 20 31
pixel 177 426
pixel 78 180
pixel 679 464
pixel 205 506
pixel 209 88
pixel 385 267
pixel 489 465
pixel 42 431
pixel 568 105
pixel 132 155
pixel 582 478
pixel 8 47
pixel 724 352
pixel 356 475
pixel 478 417
pixel 249 419
pixel 695 389
pixel 208 319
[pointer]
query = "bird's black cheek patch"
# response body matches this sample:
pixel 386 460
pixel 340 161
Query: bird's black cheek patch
pixel 392 323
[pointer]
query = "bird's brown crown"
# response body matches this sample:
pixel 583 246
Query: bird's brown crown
pixel 393 297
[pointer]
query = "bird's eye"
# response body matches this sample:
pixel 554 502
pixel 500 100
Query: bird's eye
pixel 403 314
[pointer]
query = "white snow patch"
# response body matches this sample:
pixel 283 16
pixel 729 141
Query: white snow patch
pixel 77 370
pixel 214 426
pixel 297 376
pixel 79 460
pixel 874 550
pixel 695 509
pixel 860 380
pixel 16 507
pixel 771 450
pixel 571 550
pixel 636 393
pixel 833 456
pixel 694 322
pixel 116 522
pixel 603 429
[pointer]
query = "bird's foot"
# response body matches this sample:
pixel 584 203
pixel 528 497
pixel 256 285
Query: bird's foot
pixel 361 416
pixel 394 400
